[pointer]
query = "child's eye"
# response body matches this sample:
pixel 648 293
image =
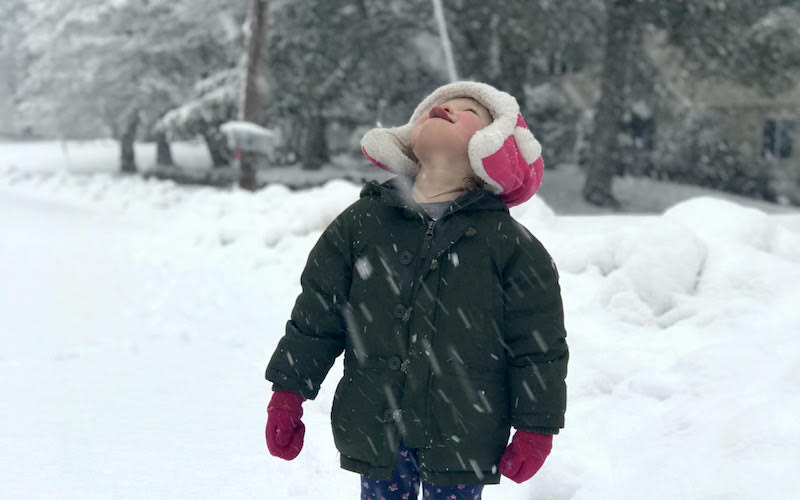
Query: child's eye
pixel 475 112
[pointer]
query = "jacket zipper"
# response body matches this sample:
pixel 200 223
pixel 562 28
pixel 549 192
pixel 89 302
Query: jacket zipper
pixel 429 232
pixel 428 412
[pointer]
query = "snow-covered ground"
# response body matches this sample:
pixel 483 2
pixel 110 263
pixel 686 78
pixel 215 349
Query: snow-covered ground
pixel 100 155
pixel 136 319
pixel 561 188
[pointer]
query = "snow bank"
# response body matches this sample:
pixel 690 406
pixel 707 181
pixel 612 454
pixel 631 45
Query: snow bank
pixel 136 318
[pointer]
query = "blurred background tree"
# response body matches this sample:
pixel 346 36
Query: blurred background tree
pixel 113 69
pixel 351 63
pixel 754 44
pixel 618 87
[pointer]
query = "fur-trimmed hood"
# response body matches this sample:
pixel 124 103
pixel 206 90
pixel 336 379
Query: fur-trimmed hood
pixel 504 154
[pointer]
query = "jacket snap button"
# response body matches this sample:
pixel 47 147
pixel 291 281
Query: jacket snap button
pixel 395 362
pixel 406 257
pixel 434 264
pixel 390 415
pixel 399 310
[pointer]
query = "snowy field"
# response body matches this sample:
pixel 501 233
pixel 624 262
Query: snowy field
pixel 562 189
pixel 101 155
pixel 137 317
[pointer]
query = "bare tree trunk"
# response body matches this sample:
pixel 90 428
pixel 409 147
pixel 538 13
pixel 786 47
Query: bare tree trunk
pixel 314 146
pixel 605 153
pixel 127 155
pixel 255 82
pixel 163 150
pixel 513 75
pixel 293 138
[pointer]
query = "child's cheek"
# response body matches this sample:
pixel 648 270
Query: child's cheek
pixel 468 125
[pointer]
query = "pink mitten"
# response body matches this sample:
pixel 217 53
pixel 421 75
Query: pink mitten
pixel 525 455
pixel 285 431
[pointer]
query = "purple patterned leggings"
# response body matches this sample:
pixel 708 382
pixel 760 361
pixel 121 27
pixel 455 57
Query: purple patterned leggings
pixel 405 484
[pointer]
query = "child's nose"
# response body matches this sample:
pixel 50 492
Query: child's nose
pixel 448 109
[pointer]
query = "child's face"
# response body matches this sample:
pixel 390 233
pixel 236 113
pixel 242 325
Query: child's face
pixel 449 127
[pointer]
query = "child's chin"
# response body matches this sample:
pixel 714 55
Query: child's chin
pixel 440 139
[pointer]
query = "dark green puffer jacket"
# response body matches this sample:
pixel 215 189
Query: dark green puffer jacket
pixel 453 331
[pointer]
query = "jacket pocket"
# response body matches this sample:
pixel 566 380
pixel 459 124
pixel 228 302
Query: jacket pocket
pixel 472 419
pixel 360 429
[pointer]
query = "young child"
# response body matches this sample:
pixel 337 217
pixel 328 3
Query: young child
pixel 448 311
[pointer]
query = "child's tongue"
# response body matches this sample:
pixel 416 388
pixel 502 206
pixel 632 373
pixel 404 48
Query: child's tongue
pixel 438 112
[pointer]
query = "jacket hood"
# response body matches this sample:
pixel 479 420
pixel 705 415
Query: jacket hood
pixel 397 191
pixel 504 154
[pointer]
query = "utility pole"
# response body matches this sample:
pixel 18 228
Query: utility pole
pixel 254 85
pixel 438 12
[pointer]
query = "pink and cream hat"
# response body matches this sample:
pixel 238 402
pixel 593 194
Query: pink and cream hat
pixel 505 153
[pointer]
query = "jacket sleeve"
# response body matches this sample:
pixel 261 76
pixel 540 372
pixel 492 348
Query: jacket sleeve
pixel 315 332
pixel 535 337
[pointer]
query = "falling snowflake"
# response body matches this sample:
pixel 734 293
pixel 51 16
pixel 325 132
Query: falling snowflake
pixel 454 259
pixel 540 340
pixel 364 267
pixel 464 318
pixel 365 311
